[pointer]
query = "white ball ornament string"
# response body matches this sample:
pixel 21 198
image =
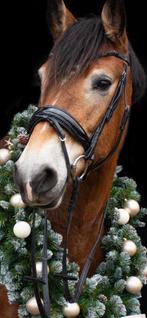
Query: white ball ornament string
pixel 16 201
pixel 132 206
pixel 32 307
pixel 130 247
pixel 22 229
pixel 134 285
pixel 123 216
pixel 71 310
pixel 39 269
pixel 5 155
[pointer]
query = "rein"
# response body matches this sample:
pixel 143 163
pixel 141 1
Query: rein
pixel 61 121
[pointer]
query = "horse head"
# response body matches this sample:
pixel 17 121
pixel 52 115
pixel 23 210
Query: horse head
pixel 81 77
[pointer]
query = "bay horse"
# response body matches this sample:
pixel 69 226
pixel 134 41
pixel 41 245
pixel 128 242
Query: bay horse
pixel 91 72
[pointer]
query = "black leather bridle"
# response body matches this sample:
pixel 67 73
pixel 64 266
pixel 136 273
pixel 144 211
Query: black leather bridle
pixel 63 121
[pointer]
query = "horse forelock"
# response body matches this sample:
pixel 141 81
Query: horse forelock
pixel 76 49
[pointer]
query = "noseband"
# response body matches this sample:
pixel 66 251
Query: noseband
pixel 62 120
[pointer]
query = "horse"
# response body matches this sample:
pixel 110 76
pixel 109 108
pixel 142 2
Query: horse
pixel 88 84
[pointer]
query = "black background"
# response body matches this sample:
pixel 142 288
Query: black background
pixel 25 45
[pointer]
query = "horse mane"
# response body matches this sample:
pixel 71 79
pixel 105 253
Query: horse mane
pixel 79 46
pixel 139 78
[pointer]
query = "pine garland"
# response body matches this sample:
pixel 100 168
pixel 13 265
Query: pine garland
pixel 104 294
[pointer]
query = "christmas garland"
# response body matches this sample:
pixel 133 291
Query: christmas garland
pixel 114 290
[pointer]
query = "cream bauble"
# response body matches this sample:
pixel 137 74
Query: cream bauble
pixel 144 272
pixel 22 229
pixel 32 307
pixel 123 216
pixel 16 201
pixel 71 310
pixel 39 269
pixel 4 156
pixel 133 206
pixel 130 247
pixel 133 285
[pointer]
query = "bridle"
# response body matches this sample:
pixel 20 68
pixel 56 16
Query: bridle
pixel 62 120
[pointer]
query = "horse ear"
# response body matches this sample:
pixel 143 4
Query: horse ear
pixel 59 17
pixel 114 19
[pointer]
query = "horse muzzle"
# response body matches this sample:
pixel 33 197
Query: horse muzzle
pixel 43 189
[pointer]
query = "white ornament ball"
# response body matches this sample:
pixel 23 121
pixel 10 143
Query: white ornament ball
pixel 130 247
pixel 39 269
pixel 133 285
pixel 32 307
pixel 123 216
pixel 4 156
pixel 144 272
pixel 16 201
pixel 133 206
pixel 71 310
pixel 22 229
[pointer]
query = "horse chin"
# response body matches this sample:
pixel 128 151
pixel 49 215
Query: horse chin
pixel 53 203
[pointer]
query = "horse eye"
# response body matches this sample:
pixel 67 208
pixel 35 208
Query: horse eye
pixel 102 84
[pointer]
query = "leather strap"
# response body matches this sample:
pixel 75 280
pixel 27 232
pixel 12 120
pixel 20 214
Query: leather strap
pixel 34 274
pixel 109 112
pixel 46 296
pixel 96 165
pixel 65 120
pixel 71 208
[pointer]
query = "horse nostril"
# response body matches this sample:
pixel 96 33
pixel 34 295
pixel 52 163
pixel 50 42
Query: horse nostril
pixel 44 181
